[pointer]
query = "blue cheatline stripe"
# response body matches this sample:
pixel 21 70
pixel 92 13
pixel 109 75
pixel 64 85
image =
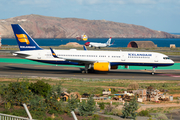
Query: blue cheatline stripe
pixel 176 66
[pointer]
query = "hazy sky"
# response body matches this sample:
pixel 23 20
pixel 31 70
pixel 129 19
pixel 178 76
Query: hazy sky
pixel 163 15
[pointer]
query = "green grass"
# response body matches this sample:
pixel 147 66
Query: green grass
pixel 162 109
pixel 96 86
pixel 161 85
pixel 99 83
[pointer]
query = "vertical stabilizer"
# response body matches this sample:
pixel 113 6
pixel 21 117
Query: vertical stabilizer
pixel 109 42
pixel 24 41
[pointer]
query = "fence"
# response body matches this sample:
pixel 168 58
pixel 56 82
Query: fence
pixel 11 117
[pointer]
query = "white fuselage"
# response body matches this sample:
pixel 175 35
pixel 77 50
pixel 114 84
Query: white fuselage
pixel 93 44
pixel 113 57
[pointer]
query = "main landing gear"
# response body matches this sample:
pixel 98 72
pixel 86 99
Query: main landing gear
pixel 86 68
pixel 153 70
pixel 98 47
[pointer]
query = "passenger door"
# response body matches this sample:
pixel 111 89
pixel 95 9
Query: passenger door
pixel 156 58
pixel 39 56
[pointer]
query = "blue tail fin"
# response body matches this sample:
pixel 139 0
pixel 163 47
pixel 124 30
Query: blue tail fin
pixel 24 41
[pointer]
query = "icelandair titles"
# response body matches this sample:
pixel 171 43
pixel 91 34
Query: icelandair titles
pixel 27 46
pixel 134 54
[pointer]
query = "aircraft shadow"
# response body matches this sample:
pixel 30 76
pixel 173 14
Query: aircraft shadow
pixel 75 71
pixel 45 70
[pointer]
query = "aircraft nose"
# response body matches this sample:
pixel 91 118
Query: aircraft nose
pixel 172 61
pixel 87 43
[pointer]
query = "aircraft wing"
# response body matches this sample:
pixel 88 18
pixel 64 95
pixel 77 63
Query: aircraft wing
pixel 81 61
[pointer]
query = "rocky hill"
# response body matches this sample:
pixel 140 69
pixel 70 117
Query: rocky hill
pixel 53 27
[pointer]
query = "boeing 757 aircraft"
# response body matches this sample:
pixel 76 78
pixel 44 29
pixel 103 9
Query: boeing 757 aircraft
pixel 99 45
pixel 96 60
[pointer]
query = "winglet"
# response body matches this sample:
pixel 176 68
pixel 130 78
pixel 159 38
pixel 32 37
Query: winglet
pixel 84 47
pixel 53 53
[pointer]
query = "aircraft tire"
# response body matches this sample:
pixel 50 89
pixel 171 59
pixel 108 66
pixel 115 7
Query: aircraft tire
pixel 83 71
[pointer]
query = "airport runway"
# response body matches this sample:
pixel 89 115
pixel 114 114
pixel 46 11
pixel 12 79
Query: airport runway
pixel 30 70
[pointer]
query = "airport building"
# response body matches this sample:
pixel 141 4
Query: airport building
pixel 141 44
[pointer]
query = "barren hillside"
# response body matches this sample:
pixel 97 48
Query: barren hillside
pixel 53 27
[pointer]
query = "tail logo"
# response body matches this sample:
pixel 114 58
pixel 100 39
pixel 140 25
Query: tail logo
pixel 23 38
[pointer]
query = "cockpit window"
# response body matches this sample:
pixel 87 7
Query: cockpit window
pixel 165 58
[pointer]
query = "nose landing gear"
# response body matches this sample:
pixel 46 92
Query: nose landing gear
pixel 153 70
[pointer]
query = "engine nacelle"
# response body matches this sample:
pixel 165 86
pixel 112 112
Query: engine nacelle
pixel 102 66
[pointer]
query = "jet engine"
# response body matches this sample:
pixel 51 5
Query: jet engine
pixel 102 66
